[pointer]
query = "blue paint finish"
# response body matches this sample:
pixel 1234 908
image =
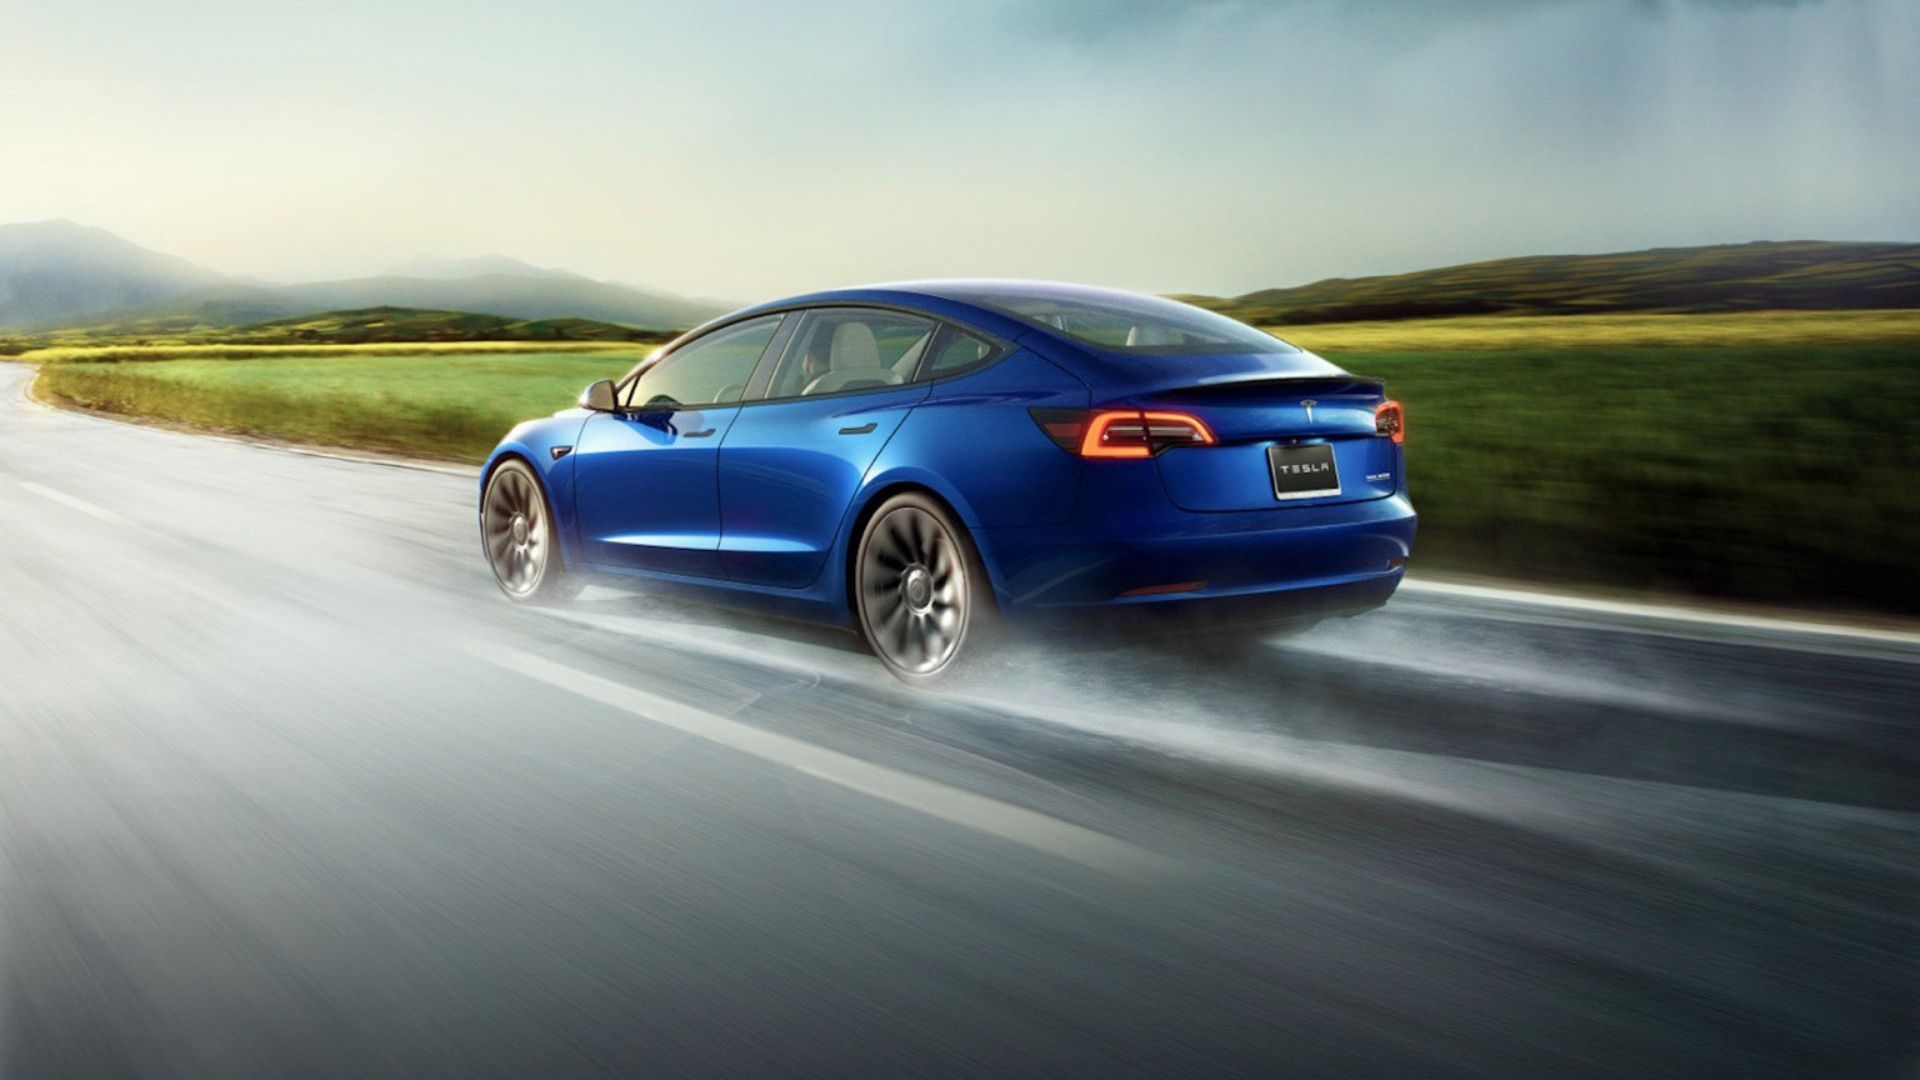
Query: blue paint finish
pixel 765 511
pixel 787 474
pixel 1215 478
pixel 533 441
pixel 976 432
pixel 644 486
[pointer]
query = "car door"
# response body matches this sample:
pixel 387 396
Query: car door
pixel 645 475
pixel 793 460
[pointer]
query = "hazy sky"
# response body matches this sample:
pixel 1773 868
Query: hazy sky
pixel 746 149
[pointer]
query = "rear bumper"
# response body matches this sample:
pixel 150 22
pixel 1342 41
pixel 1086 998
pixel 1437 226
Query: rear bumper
pixel 1144 553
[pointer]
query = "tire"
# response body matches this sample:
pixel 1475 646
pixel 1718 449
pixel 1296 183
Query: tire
pixel 519 538
pixel 921 598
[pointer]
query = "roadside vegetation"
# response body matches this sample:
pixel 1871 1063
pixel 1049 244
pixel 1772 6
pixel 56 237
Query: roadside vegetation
pixel 450 404
pixel 1763 473
pixel 1756 329
pixel 1757 456
pixel 139 353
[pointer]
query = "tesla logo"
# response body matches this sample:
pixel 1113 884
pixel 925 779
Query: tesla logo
pixel 1308 405
pixel 1315 467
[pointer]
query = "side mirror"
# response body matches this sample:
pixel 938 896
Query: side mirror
pixel 599 397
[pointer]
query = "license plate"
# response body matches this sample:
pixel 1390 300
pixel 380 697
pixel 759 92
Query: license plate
pixel 1303 472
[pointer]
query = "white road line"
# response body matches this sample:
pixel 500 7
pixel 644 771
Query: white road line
pixel 72 503
pixel 1660 612
pixel 1012 823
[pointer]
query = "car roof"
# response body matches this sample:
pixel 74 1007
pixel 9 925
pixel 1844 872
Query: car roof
pixel 974 302
pixel 965 299
pixel 991 291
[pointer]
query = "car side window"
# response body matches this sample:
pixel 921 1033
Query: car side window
pixel 955 351
pixel 840 350
pixel 711 370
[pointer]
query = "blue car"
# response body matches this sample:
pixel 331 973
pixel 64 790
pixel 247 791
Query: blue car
pixel 925 462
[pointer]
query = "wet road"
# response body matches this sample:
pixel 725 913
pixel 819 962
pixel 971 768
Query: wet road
pixel 286 789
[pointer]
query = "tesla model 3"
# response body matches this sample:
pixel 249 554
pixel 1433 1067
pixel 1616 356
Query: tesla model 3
pixel 922 463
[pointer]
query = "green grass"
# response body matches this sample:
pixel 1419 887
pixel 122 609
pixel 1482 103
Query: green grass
pixel 1754 329
pixel 1573 451
pixel 438 404
pixel 1778 474
pixel 133 353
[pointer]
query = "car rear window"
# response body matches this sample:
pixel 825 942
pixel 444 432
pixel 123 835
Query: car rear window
pixel 1146 325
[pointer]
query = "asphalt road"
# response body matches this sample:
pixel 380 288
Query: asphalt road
pixel 287 789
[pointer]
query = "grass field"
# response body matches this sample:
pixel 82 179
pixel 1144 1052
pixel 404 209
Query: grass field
pixel 1757 329
pixel 1762 473
pixel 1758 457
pixel 135 353
pixel 450 403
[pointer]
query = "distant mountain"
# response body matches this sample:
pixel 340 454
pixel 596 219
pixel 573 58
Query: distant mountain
pixel 502 295
pixel 218 307
pixel 1727 277
pixel 59 276
pixel 476 266
pixel 54 271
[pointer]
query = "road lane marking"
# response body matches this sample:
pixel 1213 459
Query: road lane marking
pixel 1657 612
pixel 72 503
pixel 978 812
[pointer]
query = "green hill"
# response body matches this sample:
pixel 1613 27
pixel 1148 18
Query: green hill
pixel 373 324
pixel 416 324
pixel 211 314
pixel 1817 275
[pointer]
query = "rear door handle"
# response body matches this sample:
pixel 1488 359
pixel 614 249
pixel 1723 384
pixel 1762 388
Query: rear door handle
pixel 861 430
pixel 696 434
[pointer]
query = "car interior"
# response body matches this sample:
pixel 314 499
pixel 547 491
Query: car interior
pixel 839 351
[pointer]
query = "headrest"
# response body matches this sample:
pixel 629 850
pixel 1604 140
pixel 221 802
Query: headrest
pixel 853 347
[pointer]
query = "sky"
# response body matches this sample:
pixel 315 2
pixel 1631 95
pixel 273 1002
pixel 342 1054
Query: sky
pixel 746 149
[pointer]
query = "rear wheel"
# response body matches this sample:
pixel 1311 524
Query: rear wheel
pixel 920 594
pixel 517 532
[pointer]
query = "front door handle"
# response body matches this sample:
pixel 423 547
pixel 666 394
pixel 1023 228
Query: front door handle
pixel 861 430
pixel 696 434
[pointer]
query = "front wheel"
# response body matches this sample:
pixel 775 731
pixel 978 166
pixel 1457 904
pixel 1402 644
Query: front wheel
pixel 517 531
pixel 920 592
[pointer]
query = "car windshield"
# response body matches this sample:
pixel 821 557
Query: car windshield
pixel 1145 325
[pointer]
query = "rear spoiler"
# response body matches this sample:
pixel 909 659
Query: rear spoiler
pixel 1321 385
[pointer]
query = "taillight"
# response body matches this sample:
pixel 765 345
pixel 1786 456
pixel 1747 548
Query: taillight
pixel 1390 418
pixel 1121 433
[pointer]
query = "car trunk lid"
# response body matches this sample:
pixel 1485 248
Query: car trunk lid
pixel 1291 440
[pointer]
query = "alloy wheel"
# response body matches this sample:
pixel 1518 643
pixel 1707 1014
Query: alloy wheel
pixel 514 527
pixel 914 590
